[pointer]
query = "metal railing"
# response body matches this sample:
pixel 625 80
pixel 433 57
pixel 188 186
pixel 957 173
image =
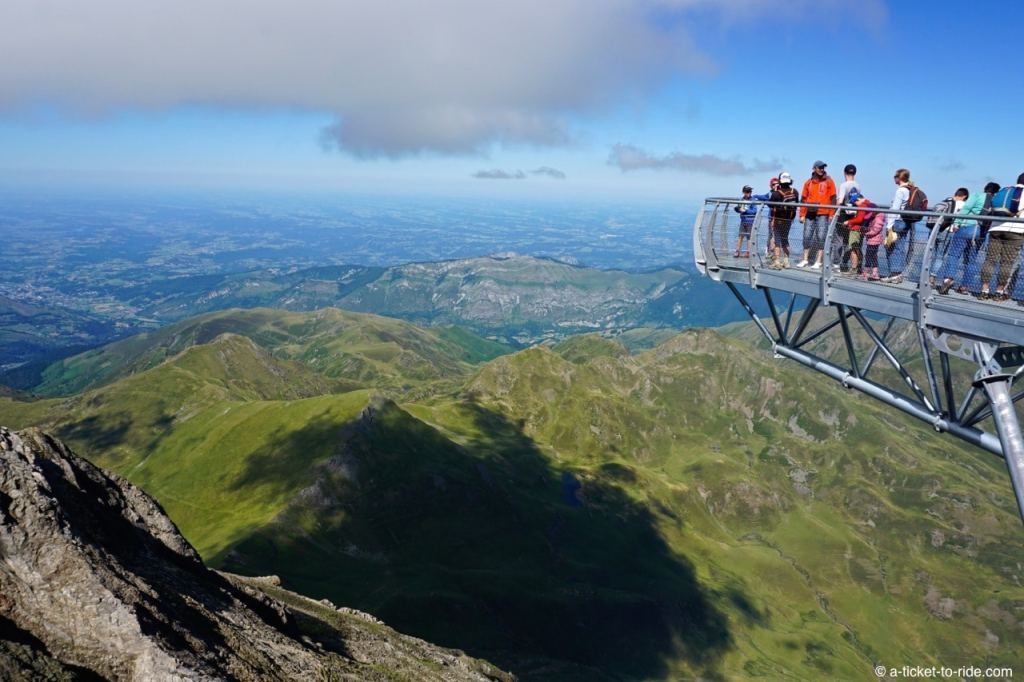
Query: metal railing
pixel 921 260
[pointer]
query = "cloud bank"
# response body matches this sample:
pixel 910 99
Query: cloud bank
pixel 400 76
pixel 629 158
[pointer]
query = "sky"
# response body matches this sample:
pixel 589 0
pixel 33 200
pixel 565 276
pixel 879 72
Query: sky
pixel 611 99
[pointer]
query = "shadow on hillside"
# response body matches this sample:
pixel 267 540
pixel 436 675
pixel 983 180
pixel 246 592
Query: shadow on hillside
pixel 489 548
pixel 97 433
pixel 274 466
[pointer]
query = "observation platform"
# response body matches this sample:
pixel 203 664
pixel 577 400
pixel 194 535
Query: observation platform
pixel 932 280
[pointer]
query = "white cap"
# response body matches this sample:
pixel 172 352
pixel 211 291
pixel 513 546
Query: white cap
pixel 785 178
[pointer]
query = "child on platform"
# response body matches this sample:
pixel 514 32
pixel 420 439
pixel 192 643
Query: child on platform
pixel 870 228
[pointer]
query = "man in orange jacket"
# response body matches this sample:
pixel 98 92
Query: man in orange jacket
pixel 820 188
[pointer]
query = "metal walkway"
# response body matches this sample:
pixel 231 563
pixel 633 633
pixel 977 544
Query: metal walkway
pixel 952 323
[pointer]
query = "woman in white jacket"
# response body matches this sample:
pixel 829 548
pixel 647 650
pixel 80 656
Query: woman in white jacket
pixel 900 251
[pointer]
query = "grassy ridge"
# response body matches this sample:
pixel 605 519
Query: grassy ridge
pixel 696 509
pixel 368 349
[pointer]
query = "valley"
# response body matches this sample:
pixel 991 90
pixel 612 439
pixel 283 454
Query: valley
pixel 571 511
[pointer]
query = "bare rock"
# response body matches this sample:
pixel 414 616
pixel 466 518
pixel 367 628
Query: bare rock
pixel 97 582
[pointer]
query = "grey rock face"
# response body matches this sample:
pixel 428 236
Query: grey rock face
pixel 95 580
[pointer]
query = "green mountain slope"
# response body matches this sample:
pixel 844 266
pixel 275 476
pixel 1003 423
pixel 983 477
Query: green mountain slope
pixel 698 509
pixel 353 347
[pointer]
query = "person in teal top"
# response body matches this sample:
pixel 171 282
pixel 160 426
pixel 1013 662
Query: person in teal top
pixel 965 241
pixel 974 205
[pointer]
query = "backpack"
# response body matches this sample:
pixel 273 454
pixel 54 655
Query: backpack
pixel 1006 202
pixel 984 224
pixel 786 212
pixel 947 205
pixel 918 201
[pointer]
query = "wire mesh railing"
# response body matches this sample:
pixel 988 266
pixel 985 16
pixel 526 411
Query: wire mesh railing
pixel 940 253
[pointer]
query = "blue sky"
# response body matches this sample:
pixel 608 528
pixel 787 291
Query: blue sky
pixel 419 98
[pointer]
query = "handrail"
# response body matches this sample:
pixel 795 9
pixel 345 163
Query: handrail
pixel 716 230
pixel 875 209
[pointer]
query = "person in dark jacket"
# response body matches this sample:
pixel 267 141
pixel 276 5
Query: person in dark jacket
pixel 782 219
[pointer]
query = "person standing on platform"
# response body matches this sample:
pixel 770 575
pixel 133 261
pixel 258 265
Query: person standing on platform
pixel 747 211
pixel 782 219
pixel 847 193
pixel 820 188
pixel 869 224
pixel 964 240
pixel 899 248
pixel 1004 239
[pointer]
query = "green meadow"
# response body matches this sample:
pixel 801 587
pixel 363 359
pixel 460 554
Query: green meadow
pixel 579 511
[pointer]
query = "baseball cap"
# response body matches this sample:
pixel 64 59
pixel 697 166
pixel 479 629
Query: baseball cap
pixel 850 169
pixel 785 178
pixel 748 188
pixel 854 195
pixel 773 181
pixel 820 164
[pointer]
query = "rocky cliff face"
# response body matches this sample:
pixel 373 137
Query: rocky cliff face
pixel 96 581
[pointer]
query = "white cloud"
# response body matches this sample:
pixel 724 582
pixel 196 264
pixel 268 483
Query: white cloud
pixel 401 76
pixel 549 172
pixel 498 174
pixel 629 158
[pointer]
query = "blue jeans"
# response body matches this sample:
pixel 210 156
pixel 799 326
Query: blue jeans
pixel 962 249
pixel 903 250
pixel 814 235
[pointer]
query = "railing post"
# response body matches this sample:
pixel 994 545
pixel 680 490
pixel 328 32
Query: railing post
pixel 755 262
pixel 699 257
pixel 826 263
pixel 709 249
pixel 924 289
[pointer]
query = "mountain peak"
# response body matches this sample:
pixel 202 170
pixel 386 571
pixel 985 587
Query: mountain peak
pixel 95 577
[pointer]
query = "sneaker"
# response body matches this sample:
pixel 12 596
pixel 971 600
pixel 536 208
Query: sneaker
pixel 946 285
pixel 802 264
pixel 863 277
pixel 785 262
pixel 816 266
pixel 895 279
pixel 735 254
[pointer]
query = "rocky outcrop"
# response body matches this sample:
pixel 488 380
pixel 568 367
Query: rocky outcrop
pixel 97 582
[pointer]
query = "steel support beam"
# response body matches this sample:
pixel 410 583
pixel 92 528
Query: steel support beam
pixel 997 388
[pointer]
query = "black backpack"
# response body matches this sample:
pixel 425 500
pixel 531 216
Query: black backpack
pixel 984 224
pixel 790 197
pixel 947 205
pixel 918 201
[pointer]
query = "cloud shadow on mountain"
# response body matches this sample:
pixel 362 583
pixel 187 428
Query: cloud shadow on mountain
pixel 488 546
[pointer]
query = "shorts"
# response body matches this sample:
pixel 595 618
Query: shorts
pixel 854 239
